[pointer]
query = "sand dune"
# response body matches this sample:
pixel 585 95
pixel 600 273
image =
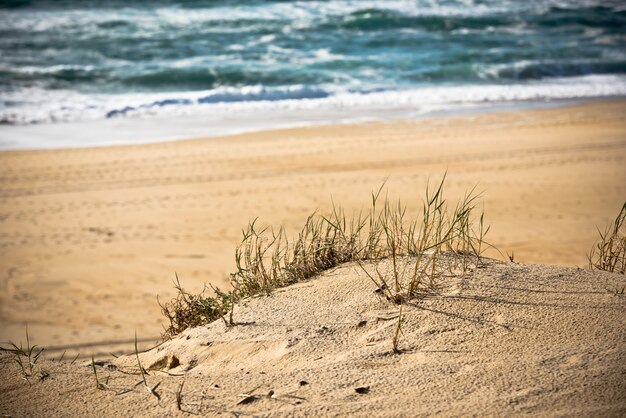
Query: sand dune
pixel 507 339
pixel 90 236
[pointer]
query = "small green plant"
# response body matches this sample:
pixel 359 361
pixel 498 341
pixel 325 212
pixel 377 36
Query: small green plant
pixel 187 310
pixel 609 252
pixel 99 385
pixel 179 396
pixel 424 249
pixel 427 247
pixel 511 256
pixel 395 341
pixel 27 358
pixel 104 385
pixel 151 390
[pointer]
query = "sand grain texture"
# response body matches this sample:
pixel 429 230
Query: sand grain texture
pixel 508 339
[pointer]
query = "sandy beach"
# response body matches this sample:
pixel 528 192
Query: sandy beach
pixel 89 237
pixel 278 208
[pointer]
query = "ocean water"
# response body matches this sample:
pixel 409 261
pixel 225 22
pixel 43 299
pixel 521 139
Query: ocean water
pixel 226 63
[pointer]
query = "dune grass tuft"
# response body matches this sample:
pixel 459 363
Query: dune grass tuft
pixel 609 252
pixel 187 310
pixel 27 358
pixel 439 239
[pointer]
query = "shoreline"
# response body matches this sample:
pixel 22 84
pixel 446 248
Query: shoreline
pixel 162 129
pixel 90 236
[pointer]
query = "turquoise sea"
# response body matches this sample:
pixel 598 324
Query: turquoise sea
pixel 75 61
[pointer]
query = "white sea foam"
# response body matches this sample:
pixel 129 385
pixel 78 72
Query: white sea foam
pixel 153 117
pixel 40 106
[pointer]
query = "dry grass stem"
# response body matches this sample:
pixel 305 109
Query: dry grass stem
pixel 151 390
pixel 609 252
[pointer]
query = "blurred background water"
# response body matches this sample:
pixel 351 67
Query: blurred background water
pixel 81 60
